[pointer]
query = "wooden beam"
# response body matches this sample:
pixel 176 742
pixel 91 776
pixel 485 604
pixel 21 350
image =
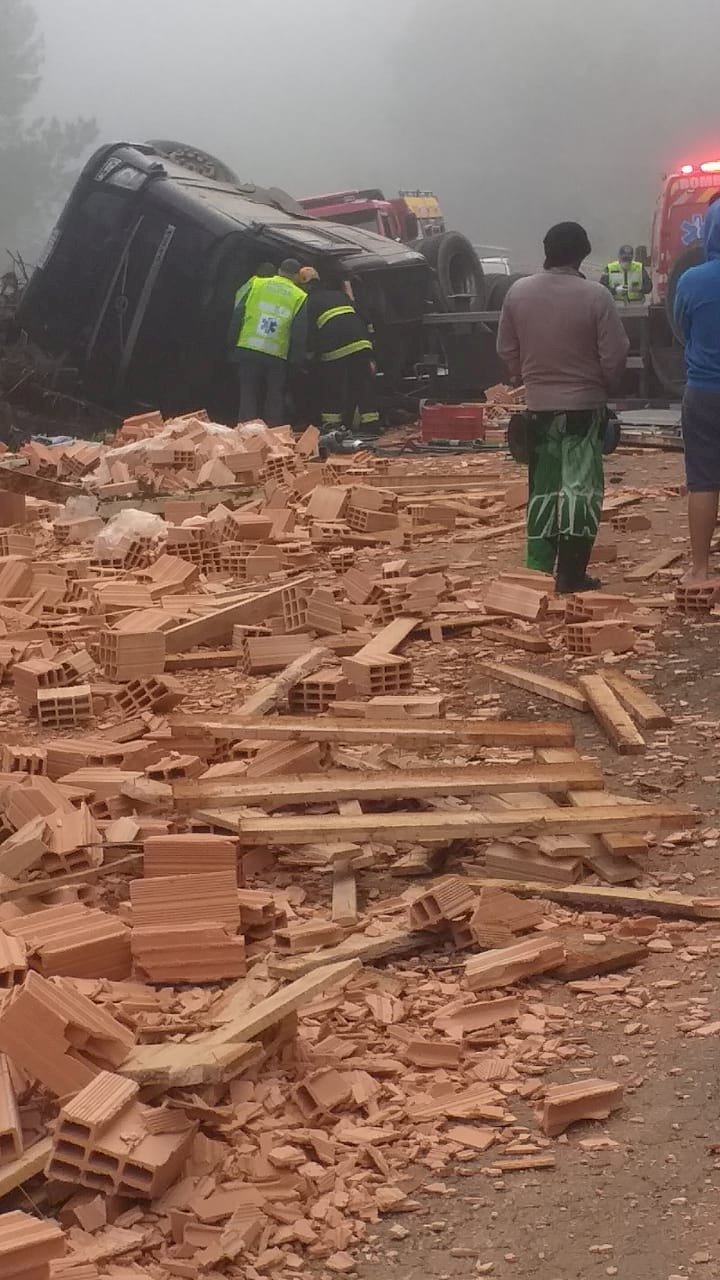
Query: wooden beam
pixel 620 844
pixel 425 734
pixel 344 894
pixel 22 480
pixel 215 627
pixel 588 959
pixel 650 567
pixel 531 641
pixel 272 692
pixel 18 1171
pixel 453 622
pixel 9 890
pixel 204 660
pixel 194 1062
pixel 611 716
pixel 223 1053
pixel 387 828
pixel 534 682
pixel 643 709
pixel 274 1008
pixel 389 638
pixel 647 901
pixel 363 950
pixel 315 788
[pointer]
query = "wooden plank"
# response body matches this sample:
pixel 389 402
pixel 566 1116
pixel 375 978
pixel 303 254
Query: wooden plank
pixel 534 682
pixel 610 856
pixel 643 709
pixel 215 627
pixel 646 901
pixel 611 716
pixel 358 948
pixel 588 960
pixel 22 480
pixel 206 1060
pixel 650 567
pixel 391 636
pixel 344 894
pixel 221 1054
pixel 18 1171
pixel 10 890
pixel 499 530
pixel 274 1008
pixel 455 622
pixel 531 641
pixel 425 734
pixel 273 691
pixel 612 867
pixel 204 659
pixel 462 824
pixel 619 844
pixel 314 788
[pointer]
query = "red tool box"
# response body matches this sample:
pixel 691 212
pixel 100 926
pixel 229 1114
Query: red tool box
pixel 452 421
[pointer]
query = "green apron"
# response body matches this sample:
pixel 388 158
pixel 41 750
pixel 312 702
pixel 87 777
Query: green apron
pixel 566 483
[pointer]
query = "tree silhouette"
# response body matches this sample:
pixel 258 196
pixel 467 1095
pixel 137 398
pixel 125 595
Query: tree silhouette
pixel 37 157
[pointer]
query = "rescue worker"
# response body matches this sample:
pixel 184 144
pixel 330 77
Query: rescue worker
pixel 338 338
pixel 626 278
pixel 263 271
pixel 269 327
pixel 561 336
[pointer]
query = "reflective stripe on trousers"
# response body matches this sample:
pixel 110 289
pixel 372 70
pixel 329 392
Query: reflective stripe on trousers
pixel 351 349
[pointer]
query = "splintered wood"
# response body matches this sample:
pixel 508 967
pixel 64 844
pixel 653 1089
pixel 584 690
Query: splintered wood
pixel 246 691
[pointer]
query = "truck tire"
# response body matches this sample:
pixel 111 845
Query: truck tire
pixel 691 257
pixel 194 159
pixel 458 268
pixel 497 289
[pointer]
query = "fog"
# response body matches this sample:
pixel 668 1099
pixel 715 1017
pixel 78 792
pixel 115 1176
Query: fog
pixel 517 113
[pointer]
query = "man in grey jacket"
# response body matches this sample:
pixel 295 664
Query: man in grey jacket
pixel 561 335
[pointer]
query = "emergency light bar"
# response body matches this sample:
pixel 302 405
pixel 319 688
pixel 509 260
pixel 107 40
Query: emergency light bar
pixel 708 166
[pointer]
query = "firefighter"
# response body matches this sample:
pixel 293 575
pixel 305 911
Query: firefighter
pixel 338 338
pixel 626 278
pixel 269 329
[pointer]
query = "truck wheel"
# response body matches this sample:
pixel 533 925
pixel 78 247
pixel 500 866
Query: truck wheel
pixel 691 257
pixel 497 289
pixel 194 159
pixel 459 270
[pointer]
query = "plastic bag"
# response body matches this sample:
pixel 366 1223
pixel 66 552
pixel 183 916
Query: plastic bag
pixel 124 527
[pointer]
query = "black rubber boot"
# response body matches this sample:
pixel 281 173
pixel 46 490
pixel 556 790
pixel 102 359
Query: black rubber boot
pixel 572 563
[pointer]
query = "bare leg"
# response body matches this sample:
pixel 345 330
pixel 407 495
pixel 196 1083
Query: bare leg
pixel 702 519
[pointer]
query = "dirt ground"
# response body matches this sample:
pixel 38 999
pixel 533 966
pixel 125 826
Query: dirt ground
pixel 644 1204
pixel 647 1207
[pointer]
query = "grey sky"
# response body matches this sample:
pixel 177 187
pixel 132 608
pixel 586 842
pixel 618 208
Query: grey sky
pixel 516 112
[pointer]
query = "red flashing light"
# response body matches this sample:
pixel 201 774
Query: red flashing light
pixel 711 166
pixel 687 168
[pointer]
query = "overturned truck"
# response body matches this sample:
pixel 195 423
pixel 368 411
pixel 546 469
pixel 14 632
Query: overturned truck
pixel 136 285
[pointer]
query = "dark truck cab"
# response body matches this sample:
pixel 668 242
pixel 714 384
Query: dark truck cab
pixel 135 287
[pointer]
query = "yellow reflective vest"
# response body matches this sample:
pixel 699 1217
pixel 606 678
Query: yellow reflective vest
pixel 627 280
pixel 271 305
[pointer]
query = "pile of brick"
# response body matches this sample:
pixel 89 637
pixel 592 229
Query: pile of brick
pixel 212 748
